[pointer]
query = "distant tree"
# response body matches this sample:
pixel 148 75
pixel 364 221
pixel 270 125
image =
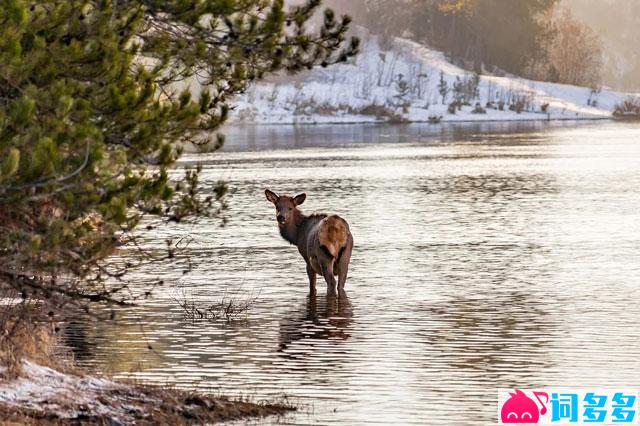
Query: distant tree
pixel 458 91
pixel 402 92
pixel 475 86
pixel 574 54
pixel 509 33
pixel 468 88
pixel 95 107
pixel 616 22
pixel 383 18
pixel 551 74
pixel 503 33
pixel 443 88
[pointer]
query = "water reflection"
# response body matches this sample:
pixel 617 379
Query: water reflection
pixel 269 137
pixel 484 257
pixel 480 343
pixel 492 334
pixel 322 317
pixel 75 335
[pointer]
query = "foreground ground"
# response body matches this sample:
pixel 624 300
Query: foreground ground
pixel 41 395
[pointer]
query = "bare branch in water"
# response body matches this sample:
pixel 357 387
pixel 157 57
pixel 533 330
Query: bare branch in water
pixel 232 306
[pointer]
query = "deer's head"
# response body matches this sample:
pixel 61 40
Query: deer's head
pixel 286 206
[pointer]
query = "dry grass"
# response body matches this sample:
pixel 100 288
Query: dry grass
pixel 150 405
pixel 232 306
pixel 26 332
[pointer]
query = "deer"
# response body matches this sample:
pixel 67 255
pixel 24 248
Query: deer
pixel 324 241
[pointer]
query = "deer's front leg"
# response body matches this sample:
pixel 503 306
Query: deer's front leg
pixel 312 278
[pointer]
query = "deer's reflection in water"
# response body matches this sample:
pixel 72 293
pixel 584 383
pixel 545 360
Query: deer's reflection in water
pixel 320 319
pixel 76 336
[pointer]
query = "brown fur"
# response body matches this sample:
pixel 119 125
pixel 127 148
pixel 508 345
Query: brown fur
pixel 333 234
pixel 325 242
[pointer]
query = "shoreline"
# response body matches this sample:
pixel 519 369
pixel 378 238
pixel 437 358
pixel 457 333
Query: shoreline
pixel 46 396
pixel 378 122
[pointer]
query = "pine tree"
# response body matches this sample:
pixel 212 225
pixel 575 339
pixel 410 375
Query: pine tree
pixel 443 88
pixel 94 112
pixel 402 91
pixel 458 91
pixel 475 92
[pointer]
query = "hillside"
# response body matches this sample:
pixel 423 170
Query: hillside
pixel 402 84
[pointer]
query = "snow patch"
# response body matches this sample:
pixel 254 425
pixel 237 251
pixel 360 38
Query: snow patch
pixel 51 394
pixel 42 388
pixel 9 301
pixel 368 90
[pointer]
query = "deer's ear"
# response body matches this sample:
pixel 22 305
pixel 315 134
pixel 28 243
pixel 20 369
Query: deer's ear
pixel 299 199
pixel 271 196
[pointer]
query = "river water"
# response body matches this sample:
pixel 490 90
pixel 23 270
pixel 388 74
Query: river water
pixel 486 257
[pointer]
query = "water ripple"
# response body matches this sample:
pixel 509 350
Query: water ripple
pixel 505 260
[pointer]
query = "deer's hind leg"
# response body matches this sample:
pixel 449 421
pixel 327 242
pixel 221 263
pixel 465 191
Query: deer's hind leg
pixel 327 273
pixel 342 265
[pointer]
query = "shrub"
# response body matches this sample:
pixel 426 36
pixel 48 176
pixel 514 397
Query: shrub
pixel 380 112
pixel 628 109
pixel 517 106
pixel 478 109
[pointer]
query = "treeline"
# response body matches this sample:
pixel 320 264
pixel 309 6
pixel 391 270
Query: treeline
pixel 617 23
pixel 532 38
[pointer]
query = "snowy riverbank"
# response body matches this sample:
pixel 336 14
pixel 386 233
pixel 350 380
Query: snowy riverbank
pixel 404 84
pixel 42 395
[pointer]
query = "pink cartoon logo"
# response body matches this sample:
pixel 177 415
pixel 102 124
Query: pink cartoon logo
pixel 519 408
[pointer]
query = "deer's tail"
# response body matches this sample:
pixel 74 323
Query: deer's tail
pixel 333 234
